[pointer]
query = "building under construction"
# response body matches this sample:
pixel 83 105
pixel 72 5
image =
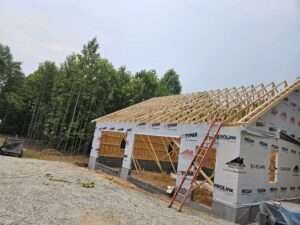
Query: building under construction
pixel 253 156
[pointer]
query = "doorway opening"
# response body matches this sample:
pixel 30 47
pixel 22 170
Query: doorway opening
pixel 155 160
pixel 112 148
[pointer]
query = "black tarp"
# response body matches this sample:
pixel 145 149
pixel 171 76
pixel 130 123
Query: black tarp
pixel 12 146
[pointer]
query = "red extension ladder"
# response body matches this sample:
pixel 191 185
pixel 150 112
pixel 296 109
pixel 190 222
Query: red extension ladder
pixel 196 164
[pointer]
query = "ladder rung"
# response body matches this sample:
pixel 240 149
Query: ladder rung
pixel 201 156
pixel 206 145
pixel 204 151
pixel 198 161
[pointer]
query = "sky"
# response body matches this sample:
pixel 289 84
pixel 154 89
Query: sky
pixel 210 43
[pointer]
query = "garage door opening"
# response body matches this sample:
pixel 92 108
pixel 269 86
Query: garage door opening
pixel 112 148
pixel 155 160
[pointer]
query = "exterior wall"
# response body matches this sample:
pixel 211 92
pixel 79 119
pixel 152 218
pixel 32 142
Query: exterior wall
pixel 226 177
pixel 254 185
pixel 191 135
pixel 226 188
pixel 257 142
pixel 285 116
pixel 131 130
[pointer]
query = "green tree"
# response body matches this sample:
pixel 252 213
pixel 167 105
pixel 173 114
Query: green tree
pixel 169 83
pixel 120 90
pixel 145 85
pixel 38 90
pixel 11 82
pixel 56 104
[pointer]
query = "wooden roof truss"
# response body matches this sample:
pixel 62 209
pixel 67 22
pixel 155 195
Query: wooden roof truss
pixel 234 106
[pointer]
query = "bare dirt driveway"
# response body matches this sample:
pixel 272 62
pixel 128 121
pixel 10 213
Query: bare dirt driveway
pixel 41 192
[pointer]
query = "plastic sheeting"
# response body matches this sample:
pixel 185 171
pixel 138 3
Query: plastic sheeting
pixel 283 213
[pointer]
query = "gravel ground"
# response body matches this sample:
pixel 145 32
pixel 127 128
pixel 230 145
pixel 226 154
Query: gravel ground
pixel 51 193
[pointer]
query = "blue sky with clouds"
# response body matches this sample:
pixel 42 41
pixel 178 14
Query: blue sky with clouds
pixel 210 43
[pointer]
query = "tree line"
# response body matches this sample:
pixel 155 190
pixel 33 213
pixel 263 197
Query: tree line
pixel 55 104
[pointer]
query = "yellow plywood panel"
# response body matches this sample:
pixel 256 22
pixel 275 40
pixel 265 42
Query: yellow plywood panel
pixel 273 167
pixel 210 160
pixel 159 147
pixel 110 144
pixel 203 196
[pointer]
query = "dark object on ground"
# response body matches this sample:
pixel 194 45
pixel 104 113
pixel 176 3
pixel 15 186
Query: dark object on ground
pixel 279 213
pixel 12 147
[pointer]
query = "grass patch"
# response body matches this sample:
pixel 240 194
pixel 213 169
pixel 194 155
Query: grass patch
pixel 54 155
pixel 31 154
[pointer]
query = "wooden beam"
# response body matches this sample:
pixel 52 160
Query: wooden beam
pixel 156 159
pixel 271 103
pixel 167 151
pixel 207 178
pixel 234 105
